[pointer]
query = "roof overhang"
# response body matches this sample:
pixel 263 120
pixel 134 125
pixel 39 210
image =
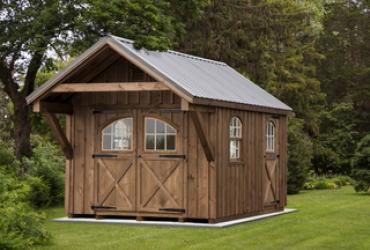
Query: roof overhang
pixel 122 51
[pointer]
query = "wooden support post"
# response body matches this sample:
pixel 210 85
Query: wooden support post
pixel 59 135
pixel 184 105
pixel 197 119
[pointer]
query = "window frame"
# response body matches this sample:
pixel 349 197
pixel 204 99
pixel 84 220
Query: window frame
pixel 110 123
pixel 238 139
pixel 165 134
pixel 271 136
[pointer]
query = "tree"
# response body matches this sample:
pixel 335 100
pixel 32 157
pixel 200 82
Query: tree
pixel 361 165
pixel 33 31
pixel 334 147
pixel 345 44
pixel 272 42
pixel 299 156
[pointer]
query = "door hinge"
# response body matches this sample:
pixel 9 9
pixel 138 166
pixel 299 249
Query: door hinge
pixel 178 210
pixel 172 156
pixel 104 156
pixel 93 207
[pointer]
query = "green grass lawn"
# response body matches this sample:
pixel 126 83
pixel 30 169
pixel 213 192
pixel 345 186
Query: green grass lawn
pixel 327 219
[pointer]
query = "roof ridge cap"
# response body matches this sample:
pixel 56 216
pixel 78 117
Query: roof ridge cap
pixel 178 53
pixel 197 57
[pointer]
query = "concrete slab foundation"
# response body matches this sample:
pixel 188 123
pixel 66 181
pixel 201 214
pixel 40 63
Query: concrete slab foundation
pixel 174 224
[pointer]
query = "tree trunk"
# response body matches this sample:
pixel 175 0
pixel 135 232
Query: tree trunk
pixel 22 132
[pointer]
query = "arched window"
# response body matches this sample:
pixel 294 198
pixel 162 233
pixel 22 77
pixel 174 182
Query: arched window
pixel 159 135
pixel 270 137
pixel 118 135
pixel 235 138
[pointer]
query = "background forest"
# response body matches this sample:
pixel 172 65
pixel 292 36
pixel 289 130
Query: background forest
pixel 312 54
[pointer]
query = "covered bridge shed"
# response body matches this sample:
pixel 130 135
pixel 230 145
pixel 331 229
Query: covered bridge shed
pixel 165 134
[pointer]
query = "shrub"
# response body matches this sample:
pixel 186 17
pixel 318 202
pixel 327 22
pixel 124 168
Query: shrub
pixel 361 165
pixel 299 156
pixel 327 182
pixel 39 195
pixel 47 163
pixel 20 226
pixel 342 180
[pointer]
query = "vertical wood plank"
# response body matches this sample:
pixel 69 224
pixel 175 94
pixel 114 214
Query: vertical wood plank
pixel 79 161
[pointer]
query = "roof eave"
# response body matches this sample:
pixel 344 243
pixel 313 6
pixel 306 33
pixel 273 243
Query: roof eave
pixel 41 90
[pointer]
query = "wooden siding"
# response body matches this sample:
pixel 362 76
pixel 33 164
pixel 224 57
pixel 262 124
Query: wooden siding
pixel 240 185
pixel 212 190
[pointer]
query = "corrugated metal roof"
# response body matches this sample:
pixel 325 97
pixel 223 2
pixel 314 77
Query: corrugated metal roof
pixel 205 78
pixel 194 76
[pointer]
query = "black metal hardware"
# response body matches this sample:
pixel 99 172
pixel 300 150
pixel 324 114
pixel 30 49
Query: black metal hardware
pixel 172 156
pixel 178 210
pixel 101 207
pixel 170 110
pixel 104 156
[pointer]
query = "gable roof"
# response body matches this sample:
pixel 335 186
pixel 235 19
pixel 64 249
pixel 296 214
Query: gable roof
pixel 194 77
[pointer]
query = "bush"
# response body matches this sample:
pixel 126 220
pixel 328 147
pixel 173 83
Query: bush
pixel 361 165
pixel 299 156
pixel 39 195
pixel 20 226
pixel 327 182
pixel 47 163
pixel 343 180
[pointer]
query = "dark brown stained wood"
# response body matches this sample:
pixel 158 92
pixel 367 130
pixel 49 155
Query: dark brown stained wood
pixel 68 180
pixel 52 107
pixel 108 87
pixel 197 178
pixel 59 135
pixel 89 167
pixel 197 120
pixel 122 70
pixel 79 163
pixel 150 71
pixel 212 168
pixel 100 68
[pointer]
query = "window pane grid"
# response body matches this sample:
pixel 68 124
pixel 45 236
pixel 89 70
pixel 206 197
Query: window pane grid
pixel 270 137
pixel 163 134
pixel 117 135
pixel 235 129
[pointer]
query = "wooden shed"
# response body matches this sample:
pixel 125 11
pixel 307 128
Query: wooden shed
pixel 165 134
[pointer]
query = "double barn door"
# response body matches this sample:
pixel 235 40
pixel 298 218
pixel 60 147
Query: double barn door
pixel 139 162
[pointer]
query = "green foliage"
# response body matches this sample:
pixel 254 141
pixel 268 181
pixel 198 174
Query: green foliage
pixel 273 42
pixel 20 226
pixel 335 145
pixel 145 21
pixel 346 69
pixel 47 163
pixel 361 165
pixel 299 156
pixel 327 182
pixel 40 193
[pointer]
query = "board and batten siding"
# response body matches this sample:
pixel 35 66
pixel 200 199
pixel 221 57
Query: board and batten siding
pixel 212 190
pixel 240 185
